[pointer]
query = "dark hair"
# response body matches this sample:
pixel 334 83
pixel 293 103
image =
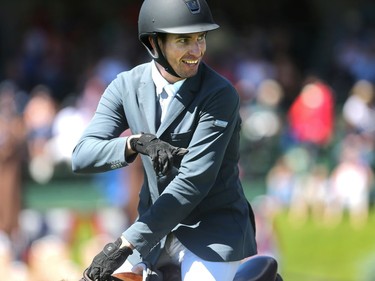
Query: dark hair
pixel 162 36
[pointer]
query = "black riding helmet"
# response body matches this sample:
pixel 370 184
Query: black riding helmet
pixel 172 16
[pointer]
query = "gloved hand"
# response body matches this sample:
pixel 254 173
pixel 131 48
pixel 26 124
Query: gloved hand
pixel 161 152
pixel 107 261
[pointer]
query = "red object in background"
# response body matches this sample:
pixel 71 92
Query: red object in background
pixel 311 115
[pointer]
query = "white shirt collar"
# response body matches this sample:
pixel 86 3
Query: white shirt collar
pixel 160 82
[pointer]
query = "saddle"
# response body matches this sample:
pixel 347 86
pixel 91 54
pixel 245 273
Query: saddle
pixel 258 268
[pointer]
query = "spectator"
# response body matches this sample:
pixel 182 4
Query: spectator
pixel 263 124
pixel 39 116
pixel 279 183
pixel 351 181
pixel 309 195
pixel 359 109
pixel 311 116
pixel 70 121
pixel 267 239
pixel 12 153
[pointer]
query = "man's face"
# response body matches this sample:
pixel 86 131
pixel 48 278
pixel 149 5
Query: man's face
pixel 184 52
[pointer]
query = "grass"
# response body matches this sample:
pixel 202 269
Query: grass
pixel 317 253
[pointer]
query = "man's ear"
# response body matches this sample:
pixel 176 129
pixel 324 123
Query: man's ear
pixel 152 39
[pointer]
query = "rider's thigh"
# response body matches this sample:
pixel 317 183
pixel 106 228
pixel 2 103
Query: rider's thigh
pixel 194 268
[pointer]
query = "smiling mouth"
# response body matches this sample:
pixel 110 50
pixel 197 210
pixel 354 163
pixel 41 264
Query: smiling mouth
pixel 190 62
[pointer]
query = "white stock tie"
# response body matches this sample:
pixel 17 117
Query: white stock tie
pixel 164 101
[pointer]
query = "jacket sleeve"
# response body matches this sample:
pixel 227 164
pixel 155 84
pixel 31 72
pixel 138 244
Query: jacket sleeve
pixel 101 148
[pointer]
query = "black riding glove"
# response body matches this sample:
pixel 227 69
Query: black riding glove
pixel 162 153
pixel 107 261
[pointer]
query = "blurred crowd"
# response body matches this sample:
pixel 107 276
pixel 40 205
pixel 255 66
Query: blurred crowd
pixel 307 137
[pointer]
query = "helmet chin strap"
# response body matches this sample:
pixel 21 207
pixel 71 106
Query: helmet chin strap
pixel 160 58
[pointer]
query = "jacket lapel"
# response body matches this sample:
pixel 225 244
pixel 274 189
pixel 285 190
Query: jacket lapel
pixel 147 106
pixel 147 100
pixel 182 99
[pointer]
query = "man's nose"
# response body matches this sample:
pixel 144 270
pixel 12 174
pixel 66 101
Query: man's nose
pixel 195 49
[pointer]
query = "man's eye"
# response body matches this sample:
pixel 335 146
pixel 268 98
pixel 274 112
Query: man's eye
pixel 203 36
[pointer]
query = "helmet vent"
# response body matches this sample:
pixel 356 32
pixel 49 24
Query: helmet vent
pixel 193 6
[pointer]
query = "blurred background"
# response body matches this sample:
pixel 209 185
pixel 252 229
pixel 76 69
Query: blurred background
pixel 305 71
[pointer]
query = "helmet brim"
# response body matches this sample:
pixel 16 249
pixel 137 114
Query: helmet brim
pixel 188 29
